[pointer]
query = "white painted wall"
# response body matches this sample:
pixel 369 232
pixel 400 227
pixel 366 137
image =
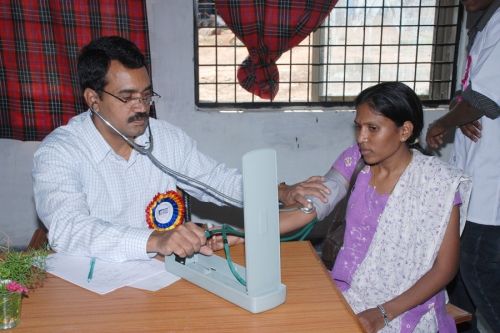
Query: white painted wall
pixel 306 143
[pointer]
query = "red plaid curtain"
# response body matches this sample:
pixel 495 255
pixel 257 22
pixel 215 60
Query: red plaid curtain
pixel 269 28
pixel 39 45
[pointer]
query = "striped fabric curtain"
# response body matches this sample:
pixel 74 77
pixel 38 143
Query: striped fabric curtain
pixel 269 28
pixel 39 45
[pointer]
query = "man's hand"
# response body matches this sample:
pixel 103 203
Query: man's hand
pixel 435 135
pixel 215 242
pixel 293 194
pixel 472 130
pixel 185 240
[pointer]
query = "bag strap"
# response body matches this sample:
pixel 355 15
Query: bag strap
pixel 359 166
pixel 334 238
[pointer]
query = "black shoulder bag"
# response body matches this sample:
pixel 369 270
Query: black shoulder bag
pixel 334 238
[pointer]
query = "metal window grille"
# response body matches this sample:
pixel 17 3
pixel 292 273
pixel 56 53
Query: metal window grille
pixel 361 43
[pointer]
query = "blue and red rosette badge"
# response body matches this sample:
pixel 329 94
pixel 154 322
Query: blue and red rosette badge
pixel 166 211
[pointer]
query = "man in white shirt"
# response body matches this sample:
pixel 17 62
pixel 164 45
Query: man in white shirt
pixel 477 152
pixel 93 190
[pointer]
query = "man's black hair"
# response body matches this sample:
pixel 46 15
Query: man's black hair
pixel 95 58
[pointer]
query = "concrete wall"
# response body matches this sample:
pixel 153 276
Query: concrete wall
pixel 18 218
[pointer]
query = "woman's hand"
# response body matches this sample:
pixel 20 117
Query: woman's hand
pixel 371 320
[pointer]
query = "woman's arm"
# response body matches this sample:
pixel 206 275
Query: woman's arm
pixel 333 187
pixel 443 270
pixel 293 220
pixel 289 221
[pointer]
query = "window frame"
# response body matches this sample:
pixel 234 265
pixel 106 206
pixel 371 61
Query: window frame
pixel 444 94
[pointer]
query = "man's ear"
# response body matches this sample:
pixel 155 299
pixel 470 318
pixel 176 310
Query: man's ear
pixel 91 98
pixel 406 130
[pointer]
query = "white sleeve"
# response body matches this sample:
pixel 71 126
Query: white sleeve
pixel 61 204
pixel 484 76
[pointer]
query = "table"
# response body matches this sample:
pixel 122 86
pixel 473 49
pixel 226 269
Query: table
pixel 313 304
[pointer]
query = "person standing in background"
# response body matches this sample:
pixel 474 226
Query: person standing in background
pixel 477 151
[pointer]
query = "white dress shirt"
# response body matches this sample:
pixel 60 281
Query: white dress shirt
pixel 94 202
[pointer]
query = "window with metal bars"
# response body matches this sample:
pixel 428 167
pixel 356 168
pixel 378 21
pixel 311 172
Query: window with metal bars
pixel 361 43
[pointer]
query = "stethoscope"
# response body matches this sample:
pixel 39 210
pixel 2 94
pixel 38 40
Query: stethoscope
pixel 148 151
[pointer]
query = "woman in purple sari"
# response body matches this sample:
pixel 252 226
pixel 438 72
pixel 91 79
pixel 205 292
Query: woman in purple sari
pixel 404 217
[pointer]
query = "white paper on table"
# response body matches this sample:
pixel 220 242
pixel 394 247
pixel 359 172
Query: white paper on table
pixel 109 276
pixel 156 282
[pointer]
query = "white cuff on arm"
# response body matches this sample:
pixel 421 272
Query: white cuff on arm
pixel 338 188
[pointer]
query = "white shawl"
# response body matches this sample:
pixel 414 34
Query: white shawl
pixel 409 234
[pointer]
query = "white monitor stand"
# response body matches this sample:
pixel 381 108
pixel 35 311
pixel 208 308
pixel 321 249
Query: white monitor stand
pixel 262 273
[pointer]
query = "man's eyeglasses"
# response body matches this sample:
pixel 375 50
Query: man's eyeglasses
pixel 147 100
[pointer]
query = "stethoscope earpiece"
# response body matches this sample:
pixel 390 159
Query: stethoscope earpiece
pixel 92 107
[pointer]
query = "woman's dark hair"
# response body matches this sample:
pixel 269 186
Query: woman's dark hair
pixel 95 58
pixel 397 102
